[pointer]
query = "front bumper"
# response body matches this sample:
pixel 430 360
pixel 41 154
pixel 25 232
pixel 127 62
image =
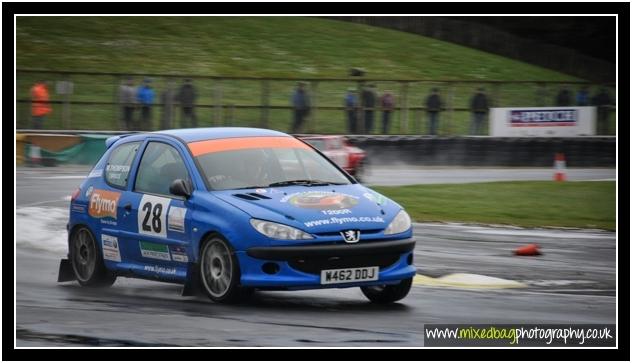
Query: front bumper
pixel 299 266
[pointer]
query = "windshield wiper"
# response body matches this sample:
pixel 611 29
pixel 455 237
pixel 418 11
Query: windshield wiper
pixel 309 182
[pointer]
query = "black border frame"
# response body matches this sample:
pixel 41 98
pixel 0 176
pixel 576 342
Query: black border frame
pixel 622 9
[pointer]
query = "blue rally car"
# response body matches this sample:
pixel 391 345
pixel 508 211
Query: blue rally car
pixel 231 210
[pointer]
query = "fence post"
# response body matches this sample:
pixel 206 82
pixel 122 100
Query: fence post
pixel 404 92
pixel 311 121
pixel 116 106
pixel 265 102
pixel 217 102
pixel 450 107
pixel 64 87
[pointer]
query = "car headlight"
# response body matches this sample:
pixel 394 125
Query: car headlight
pixel 401 223
pixel 278 231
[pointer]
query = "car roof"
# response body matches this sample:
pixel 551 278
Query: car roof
pixel 210 133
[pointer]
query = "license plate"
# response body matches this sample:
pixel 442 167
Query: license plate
pixel 344 275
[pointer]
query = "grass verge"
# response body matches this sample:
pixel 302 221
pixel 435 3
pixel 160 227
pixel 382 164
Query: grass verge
pixel 526 204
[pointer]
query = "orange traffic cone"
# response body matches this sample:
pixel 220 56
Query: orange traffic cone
pixel 560 167
pixel 528 250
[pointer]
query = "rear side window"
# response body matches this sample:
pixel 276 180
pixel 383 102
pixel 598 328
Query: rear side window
pixel 119 164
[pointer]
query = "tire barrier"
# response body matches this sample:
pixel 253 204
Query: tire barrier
pixel 487 151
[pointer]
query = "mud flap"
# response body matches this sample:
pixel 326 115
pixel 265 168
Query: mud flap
pixel 192 285
pixel 66 273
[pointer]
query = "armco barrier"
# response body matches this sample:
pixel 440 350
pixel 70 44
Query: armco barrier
pixel 487 151
pixel 391 149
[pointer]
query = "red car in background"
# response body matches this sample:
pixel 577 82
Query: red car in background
pixel 337 148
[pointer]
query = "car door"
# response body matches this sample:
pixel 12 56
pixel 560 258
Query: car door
pixel 157 230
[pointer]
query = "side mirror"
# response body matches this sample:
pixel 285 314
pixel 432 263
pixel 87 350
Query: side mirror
pixel 181 188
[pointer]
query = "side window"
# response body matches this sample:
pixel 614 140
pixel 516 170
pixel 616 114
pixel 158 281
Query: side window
pixel 160 165
pixel 119 163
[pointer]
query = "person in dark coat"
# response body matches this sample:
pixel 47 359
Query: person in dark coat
pixel 167 99
pixel 433 107
pixel 127 100
pixel 602 100
pixel 368 104
pixel 187 96
pixel 563 98
pixel 301 105
pixel 145 96
pixel 582 97
pixel 387 103
pixel 351 108
pixel 479 106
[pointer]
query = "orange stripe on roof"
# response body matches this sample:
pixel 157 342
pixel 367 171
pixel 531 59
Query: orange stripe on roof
pixel 238 143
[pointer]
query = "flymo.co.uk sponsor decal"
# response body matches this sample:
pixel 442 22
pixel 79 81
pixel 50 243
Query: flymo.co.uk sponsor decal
pixel 160 269
pixel 343 220
pixel 321 200
pixel 103 203
pixel 111 249
pixel 376 198
pixel 175 219
pixel 179 254
pixel 154 250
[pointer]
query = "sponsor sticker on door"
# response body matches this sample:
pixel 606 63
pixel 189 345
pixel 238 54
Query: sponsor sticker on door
pixel 179 254
pixel 111 249
pixel 154 250
pixel 103 203
pixel 175 219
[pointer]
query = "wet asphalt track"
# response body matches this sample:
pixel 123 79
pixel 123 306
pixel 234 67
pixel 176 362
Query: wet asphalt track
pixel 573 282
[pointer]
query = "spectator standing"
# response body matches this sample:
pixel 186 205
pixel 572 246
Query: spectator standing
pixel 40 104
pixel 167 99
pixel 602 100
pixel 479 106
pixel 145 97
pixel 582 97
pixel 387 102
pixel 368 105
pixel 301 106
pixel 563 98
pixel 351 108
pixel 127 100
pixel 433 107
pixel 187 96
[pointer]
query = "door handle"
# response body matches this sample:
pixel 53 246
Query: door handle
pixel 128 207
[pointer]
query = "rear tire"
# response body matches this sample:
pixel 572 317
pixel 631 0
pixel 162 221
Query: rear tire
pixel 219 272
pixel 385 294
pixel 87 260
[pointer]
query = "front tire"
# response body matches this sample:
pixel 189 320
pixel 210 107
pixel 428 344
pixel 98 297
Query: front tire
pixel 219 271
pixel 385 294
pixel 87 261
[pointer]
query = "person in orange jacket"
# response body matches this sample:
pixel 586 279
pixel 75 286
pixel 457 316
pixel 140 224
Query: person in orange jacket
pixel 40 103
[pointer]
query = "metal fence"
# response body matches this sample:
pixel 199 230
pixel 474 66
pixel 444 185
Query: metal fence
pixel 89 101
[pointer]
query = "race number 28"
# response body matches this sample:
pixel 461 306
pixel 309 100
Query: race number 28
pixel 152 216
pixel 155 217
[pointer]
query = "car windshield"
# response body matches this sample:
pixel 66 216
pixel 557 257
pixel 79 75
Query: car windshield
pixel 259 162
pixel 317 143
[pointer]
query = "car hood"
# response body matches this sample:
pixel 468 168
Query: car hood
pixel 316 209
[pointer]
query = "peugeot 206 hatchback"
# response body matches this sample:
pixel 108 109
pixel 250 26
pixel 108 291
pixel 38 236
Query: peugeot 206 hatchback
pixel 231 210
